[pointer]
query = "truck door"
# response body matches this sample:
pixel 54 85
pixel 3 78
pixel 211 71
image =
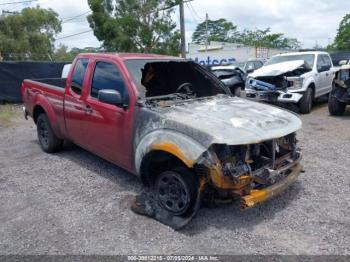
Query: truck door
pixel 319 79
pixel 324 82
pixel 329 75
pixel 74 105
pixel 108 128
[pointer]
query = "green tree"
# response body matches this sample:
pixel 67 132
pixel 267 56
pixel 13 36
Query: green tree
pixel 342 39
pixel 62 53
pixel 222 30
pixel 263 38
pixel 219 30
pixel 135 25
pixel 29 35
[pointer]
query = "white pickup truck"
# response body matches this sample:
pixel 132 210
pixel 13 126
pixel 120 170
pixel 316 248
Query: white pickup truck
pixel 297 78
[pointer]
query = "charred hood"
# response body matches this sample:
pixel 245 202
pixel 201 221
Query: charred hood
pixel 226 120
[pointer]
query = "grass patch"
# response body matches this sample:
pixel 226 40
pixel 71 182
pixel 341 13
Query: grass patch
pixel 8 113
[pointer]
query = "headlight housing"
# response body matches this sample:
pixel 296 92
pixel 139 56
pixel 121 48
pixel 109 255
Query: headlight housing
pixel 295 82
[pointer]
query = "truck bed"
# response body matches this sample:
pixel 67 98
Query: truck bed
pixel 55 82
pixel 49 92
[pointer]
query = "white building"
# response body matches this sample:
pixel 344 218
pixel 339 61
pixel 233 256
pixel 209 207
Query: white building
pixel 220 53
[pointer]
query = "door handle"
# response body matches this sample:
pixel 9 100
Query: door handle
pixel 88 110
pixel 327 74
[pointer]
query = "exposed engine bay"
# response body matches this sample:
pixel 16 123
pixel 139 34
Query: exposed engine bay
pixel 178 80
pixel 264 163
pixel 279 82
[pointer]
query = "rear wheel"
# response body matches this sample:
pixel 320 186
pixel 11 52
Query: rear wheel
pixel 176 191
pixel 47 139
pixel 305 103
pixel 335 107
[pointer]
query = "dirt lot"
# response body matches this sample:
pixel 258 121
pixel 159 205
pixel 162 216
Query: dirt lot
pixel 73 202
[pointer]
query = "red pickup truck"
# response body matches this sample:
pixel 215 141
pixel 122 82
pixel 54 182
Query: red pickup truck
pixel 172 123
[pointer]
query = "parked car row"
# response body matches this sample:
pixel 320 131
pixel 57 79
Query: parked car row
pixel 292 78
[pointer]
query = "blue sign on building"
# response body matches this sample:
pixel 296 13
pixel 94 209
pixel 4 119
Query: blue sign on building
pixel 213 61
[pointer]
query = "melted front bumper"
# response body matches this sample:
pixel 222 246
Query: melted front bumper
pixel 257 196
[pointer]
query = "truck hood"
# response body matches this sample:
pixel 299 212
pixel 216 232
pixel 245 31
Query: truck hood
pixel 277 69
pixel 231 120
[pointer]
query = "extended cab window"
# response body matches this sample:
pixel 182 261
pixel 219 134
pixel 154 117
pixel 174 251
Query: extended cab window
pixel 107 76
pixel 323 62
pixel 79 74
pixel 327 60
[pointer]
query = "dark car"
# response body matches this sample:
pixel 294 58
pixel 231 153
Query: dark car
pixel 234 75
pixel 339 97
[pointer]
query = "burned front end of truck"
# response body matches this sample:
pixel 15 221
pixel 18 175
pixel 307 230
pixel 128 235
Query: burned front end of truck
pixel 252 173
pixel 194 142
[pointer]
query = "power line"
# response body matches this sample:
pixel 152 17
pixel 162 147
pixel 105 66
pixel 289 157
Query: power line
pixel 20 2
pixel 194 11
pixel 192 14
pixel 75 17
pixel 80 33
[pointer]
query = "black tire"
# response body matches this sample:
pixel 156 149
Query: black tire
pixel 176 191
pixel 305 103
pixel 47 139
pixel 335 107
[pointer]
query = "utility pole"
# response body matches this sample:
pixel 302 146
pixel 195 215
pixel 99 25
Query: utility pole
pixel 206 32
pixel 182 29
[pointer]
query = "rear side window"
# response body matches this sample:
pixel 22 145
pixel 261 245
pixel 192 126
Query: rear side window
pixel 107 76
pixel 320 62
pixel 323 60
pixel 327 60
pixel 79 74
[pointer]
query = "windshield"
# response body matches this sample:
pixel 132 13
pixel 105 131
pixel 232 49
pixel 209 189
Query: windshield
pixel 238 64
pixel 159 78
pixel 308 58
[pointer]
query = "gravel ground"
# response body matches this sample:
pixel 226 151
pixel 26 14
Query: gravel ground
pixel 73 202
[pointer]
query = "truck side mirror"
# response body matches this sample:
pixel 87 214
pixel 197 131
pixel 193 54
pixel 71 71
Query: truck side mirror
pixel 110 96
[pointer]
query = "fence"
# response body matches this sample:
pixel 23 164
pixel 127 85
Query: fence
pixel 13 73
pixel 339 55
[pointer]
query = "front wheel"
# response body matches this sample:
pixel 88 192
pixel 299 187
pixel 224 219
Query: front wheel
pixel 176 191
pixel 335 107
pixel 305 103
pixel 47 139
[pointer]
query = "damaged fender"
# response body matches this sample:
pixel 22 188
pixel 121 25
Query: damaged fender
pixel 183 147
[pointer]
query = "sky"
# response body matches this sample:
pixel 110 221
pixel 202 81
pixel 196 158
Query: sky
pixel 310 21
